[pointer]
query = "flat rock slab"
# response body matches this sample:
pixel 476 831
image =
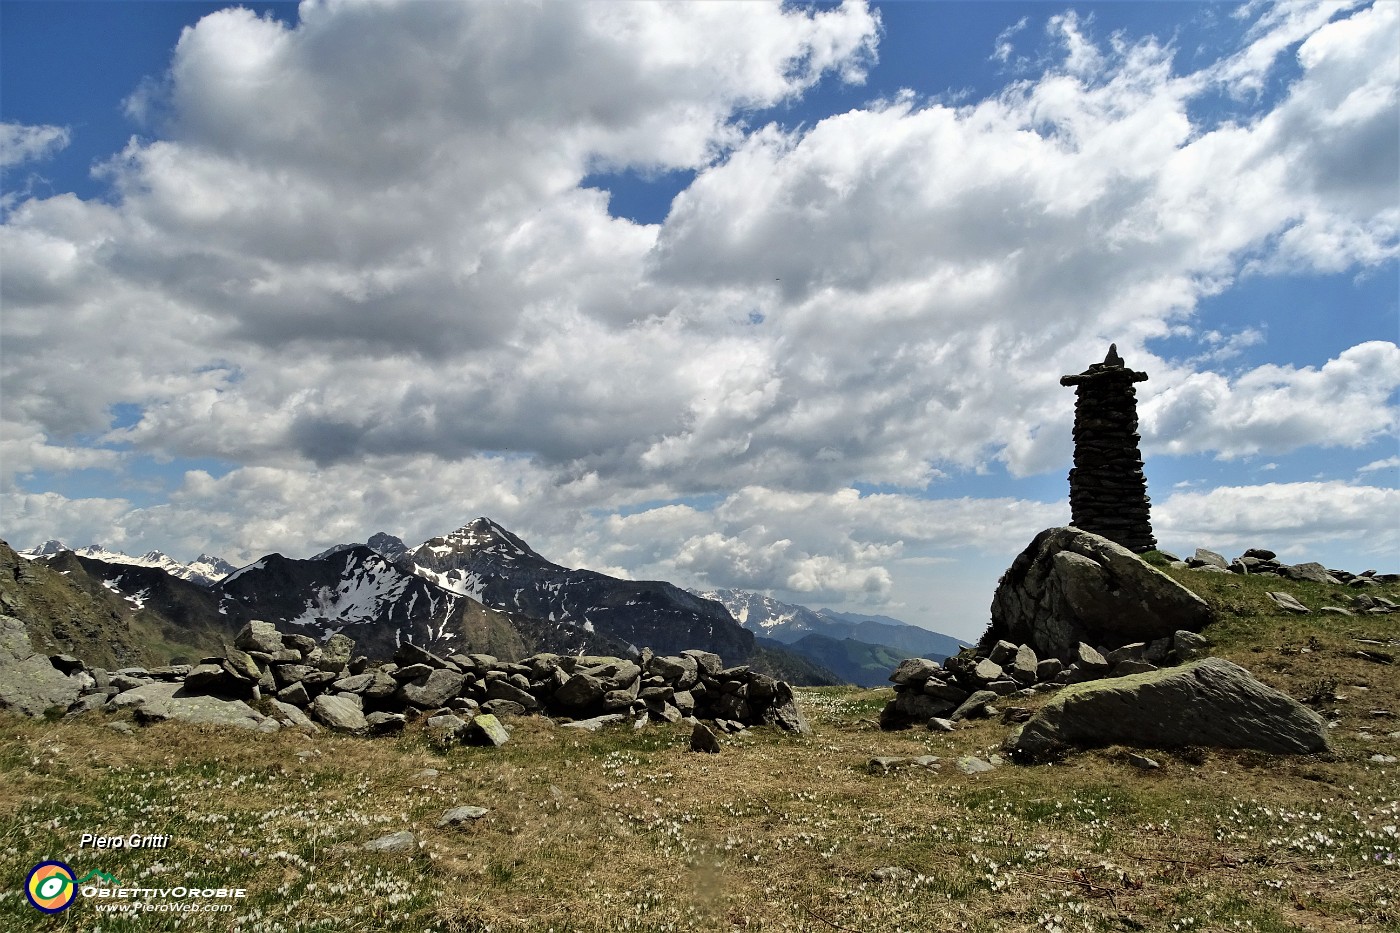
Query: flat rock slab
pixel 161 701
pixel 1211 702
pixel 459 815
pixel 402 841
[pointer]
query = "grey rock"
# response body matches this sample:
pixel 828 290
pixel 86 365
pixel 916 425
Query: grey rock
pixel 986 671
pixel 914 671
pixel 1089 659
pixel 1128 667
pixel 680 672
pixel 157 702
pixel 382 723
pixel 87 704
pixel 580 692
pixel 293 716
pixel 435 690
pixel 891 873
pixel 259 636
pixel 487 730
pixel 703 739
pixel 408 654
pixel 1132 652
pixel 1143 762
pixel 459 815
pixel 447 729
pixel 1024 666
pixel 506 690
pixel 938 724
pixel 974 706
pixel 1287 603
pixel 1001 652
pixel 1048 669
pixel 339 713
pixel 1205 558
pixel 240 664
pixel 1211 702
pixel 207 678
pixel 948 692
pixel 708 662
pixel 295 694
pixel 503 709
pixel 394 843
pixel 789 717
pixel 356 683
pixel 970 764
pixel 596 723
pixel 29 683
pixel 1070 586
pixel 336 653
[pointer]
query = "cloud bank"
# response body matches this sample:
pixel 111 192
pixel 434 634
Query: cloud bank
pixel 352 277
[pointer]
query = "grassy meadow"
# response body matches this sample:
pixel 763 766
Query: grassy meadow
pixel 629 830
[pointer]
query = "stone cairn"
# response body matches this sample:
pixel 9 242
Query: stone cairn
pixel 1107 491
pixel 301 683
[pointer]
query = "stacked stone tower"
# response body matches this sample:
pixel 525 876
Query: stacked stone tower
pixel 1107 491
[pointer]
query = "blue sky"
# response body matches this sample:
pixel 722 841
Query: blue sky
pixel 789 318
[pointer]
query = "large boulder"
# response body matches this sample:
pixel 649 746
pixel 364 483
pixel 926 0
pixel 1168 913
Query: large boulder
pixel 1070 586
pixel 29 683
pixel 159 702
pixel 1211 702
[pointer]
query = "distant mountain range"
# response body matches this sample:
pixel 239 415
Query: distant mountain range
pixel 479 589
pixel 861 649
pixel 203 569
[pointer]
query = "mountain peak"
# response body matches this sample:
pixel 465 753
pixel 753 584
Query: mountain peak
pixel 482 534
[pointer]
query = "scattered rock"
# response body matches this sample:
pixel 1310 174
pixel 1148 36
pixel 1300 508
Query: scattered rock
pixel 459 815
pixel 487 730
pixel 1287 602
pixel 891 873
pixel 703 739
pixel 970 764
pixel 1143 762
pixel 29 683
pixel 401 841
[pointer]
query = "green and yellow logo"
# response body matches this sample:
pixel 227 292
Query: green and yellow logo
pixel 51 887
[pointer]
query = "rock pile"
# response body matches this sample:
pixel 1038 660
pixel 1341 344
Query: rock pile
pixel 967 685
pixel 1263 561
pixel 305 682
pixel 1107 490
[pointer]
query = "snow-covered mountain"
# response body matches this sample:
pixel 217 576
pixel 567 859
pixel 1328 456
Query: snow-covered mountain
pixel 204 569
pixel 485 561
pixel 790 623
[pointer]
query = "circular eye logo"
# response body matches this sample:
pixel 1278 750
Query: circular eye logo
pixel 50 887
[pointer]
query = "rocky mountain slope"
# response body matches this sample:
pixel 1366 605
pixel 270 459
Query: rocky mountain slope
pixel 488 563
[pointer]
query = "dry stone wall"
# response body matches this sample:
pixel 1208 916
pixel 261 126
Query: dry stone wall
pixel 307 684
